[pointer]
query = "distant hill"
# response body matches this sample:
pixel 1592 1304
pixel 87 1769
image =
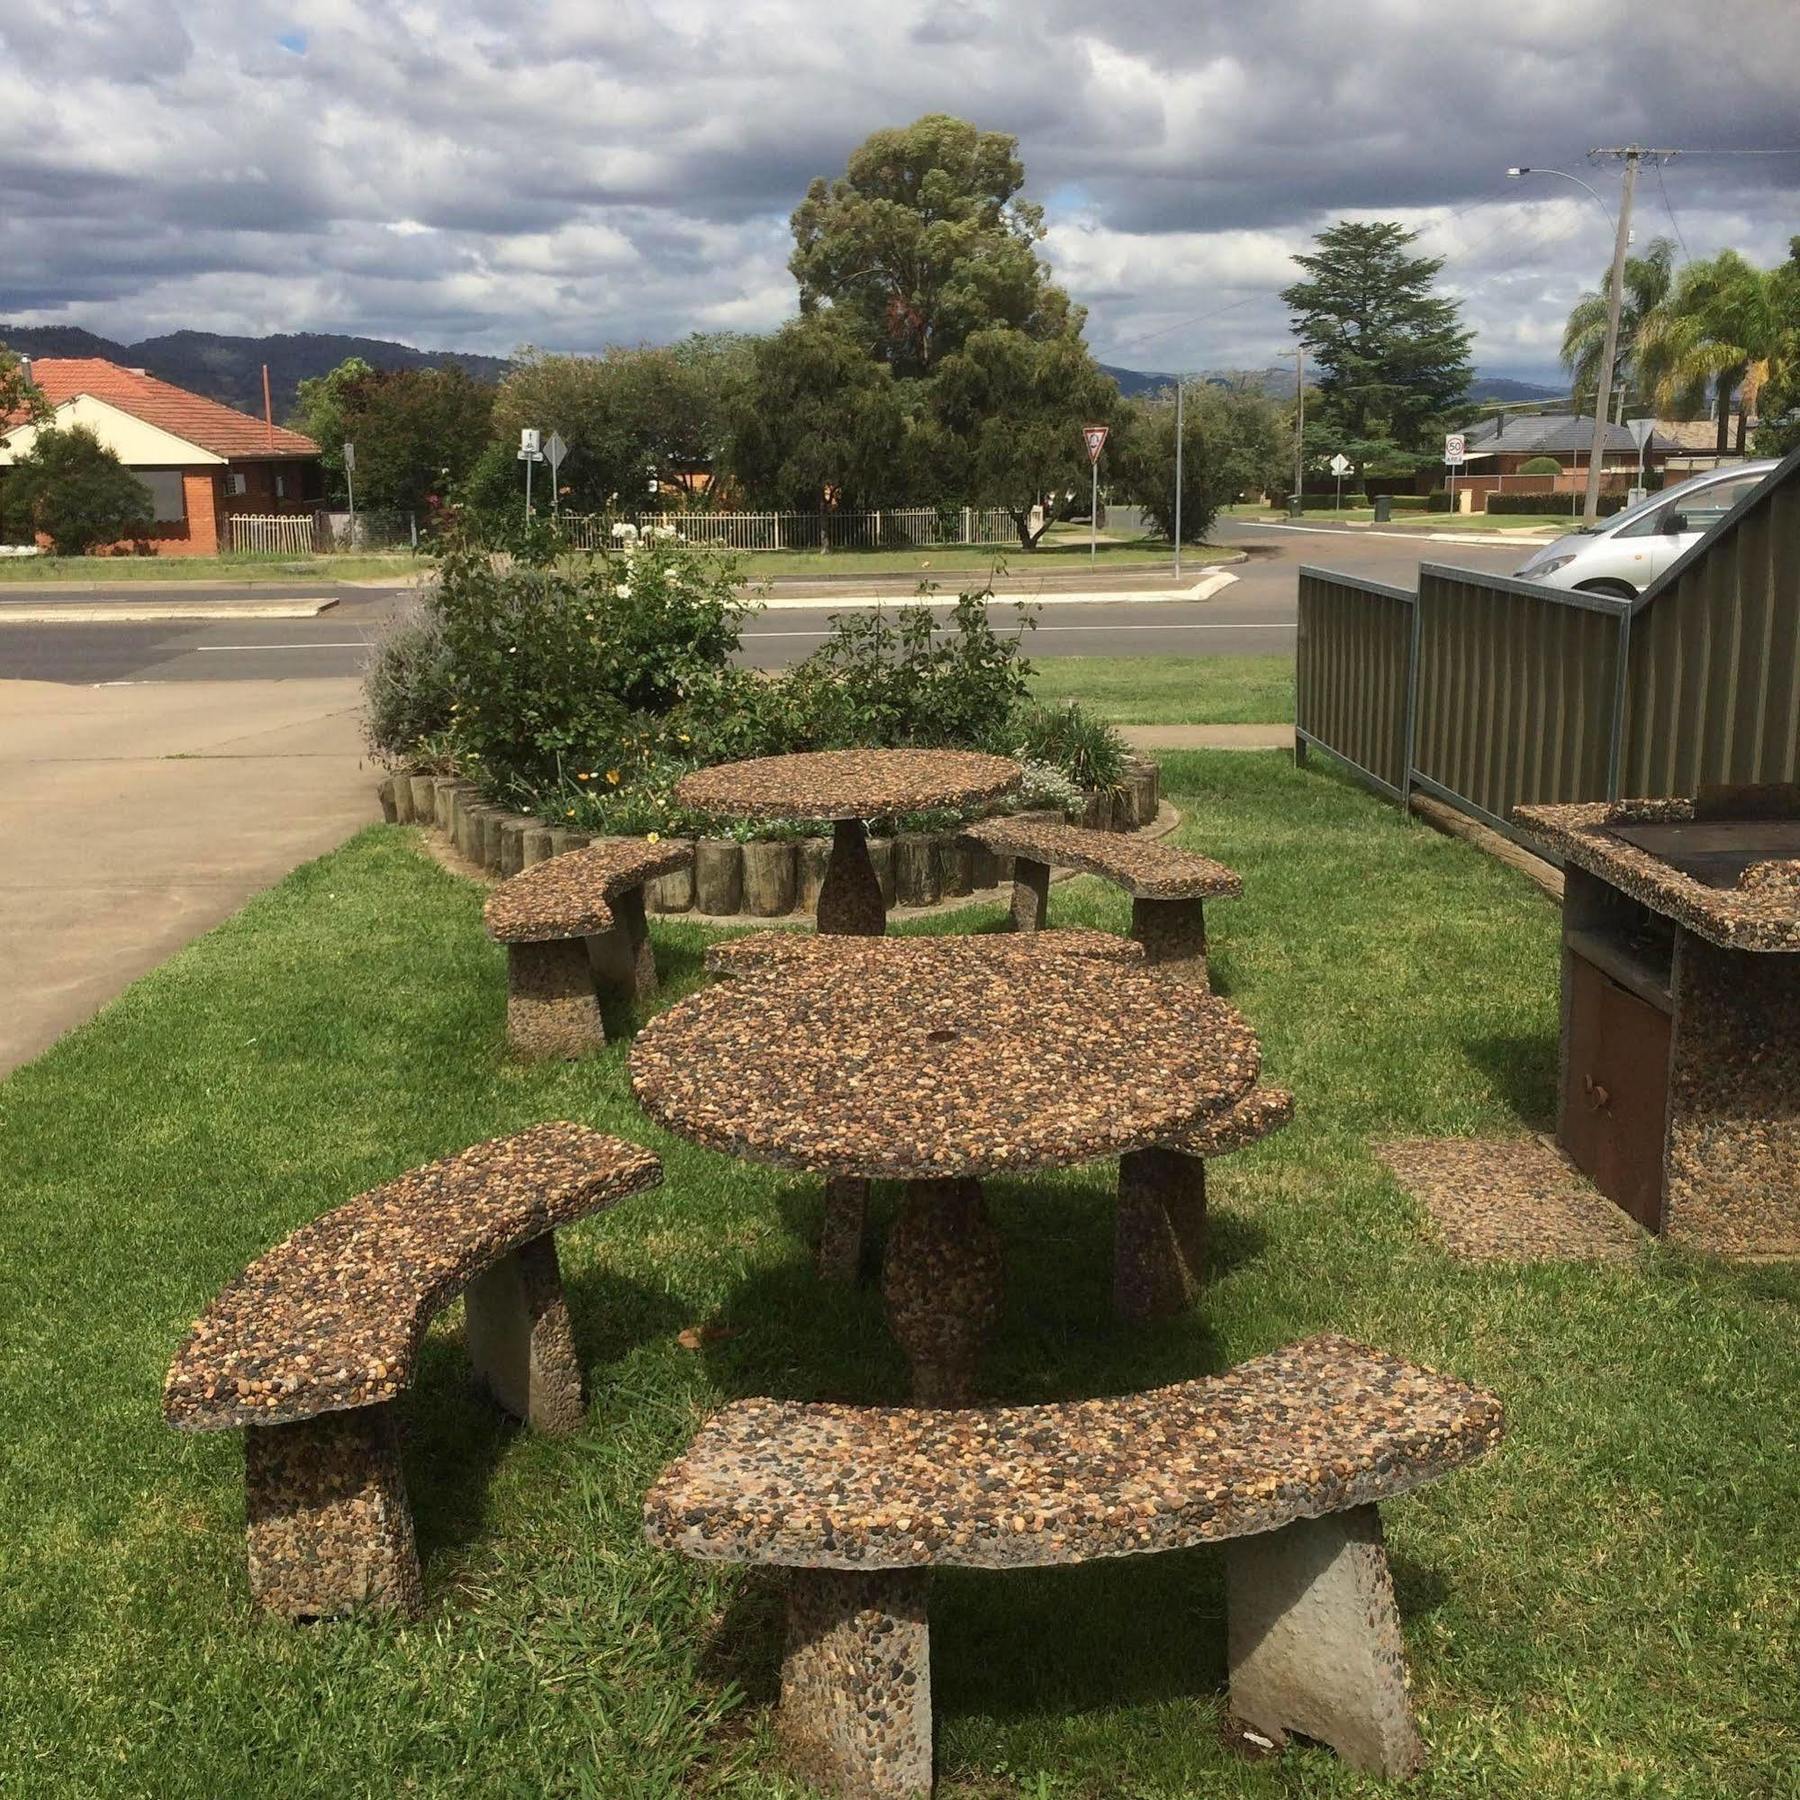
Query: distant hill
pixel 1279 383
pixel 230 368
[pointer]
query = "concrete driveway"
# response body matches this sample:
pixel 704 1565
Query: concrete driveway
pixel 137 817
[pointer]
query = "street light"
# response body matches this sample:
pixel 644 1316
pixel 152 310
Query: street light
pixel 1523 169
pixel 1615 296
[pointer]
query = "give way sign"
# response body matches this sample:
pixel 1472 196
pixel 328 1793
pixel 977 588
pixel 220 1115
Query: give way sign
pixel 1094 436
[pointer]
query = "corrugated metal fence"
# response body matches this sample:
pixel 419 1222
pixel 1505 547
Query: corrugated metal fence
pixel 1488 692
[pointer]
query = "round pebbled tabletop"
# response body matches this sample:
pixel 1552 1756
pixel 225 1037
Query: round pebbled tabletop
pixel 847 787
pixel 942 1066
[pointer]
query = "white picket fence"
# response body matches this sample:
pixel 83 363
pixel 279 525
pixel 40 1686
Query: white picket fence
pixel 920 526
pixel 278 534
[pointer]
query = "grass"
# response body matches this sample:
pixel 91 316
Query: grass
pixel 1172 690
pixel 1604 1607
pixel 233 568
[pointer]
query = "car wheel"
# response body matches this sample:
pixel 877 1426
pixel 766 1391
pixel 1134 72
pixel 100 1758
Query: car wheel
pixel 1613 590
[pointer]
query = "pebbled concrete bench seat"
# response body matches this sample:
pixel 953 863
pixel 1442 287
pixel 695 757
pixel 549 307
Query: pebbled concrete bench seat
pixel 575 935
pixel 1159 1239
pixel 1168 887
pixel 310 1347
pixel 1283 1460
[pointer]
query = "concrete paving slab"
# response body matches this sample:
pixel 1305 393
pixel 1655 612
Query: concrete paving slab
pixel 1208 737
pixel 138 817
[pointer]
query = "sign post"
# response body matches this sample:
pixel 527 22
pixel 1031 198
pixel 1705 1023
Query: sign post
pixel 530 451
pixel 1340 465
pixel 1640 430
pixel 1094 437
pixel 554 452
pixel 350 487
pixel 1456 453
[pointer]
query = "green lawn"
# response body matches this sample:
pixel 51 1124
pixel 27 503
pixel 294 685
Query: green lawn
pixel 1607 1606
pixel 1172 690
pixel 1409 520
pixel 231 568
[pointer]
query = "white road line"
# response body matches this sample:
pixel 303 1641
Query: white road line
pixel 353 644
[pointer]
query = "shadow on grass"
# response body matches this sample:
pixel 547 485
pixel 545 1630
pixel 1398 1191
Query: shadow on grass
pixel 455 1435
pixel 1523 1071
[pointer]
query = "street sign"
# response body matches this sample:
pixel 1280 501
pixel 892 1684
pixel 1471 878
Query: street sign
pixel 1456 448
pixel 1340 465
pixel 1094 436
pixel 530 443
pixel 350 458
pixel 1640 430
pixel 555 451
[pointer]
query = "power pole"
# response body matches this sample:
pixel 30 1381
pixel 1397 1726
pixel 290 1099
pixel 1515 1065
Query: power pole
pixel 1631 155
pixel 1299 423
pixel 1180 383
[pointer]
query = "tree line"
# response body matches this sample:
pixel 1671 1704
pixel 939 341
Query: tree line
pixel 933 360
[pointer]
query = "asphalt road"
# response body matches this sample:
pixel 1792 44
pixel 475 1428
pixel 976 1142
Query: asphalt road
pixel 1253 616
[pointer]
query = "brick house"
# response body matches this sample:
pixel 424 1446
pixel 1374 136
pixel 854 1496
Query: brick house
pixel 1500 445
pixel 201 461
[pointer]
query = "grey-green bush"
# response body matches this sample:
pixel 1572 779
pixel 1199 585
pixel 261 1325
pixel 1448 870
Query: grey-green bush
pixel 406 683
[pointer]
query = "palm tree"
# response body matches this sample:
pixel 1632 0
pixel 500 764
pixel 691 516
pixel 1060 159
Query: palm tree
pixel 1722 325
pixel 1646 286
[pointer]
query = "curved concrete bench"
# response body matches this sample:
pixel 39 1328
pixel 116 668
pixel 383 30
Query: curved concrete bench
pixel 310 1347
pixel 575 935
pixel 1159 1239
pixel 1282 1460
pixel 1168 887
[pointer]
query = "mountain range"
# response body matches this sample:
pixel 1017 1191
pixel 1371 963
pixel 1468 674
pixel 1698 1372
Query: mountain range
pixel 230 368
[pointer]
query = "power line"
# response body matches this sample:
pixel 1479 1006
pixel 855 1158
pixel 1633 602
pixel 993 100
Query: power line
pixel 1663 189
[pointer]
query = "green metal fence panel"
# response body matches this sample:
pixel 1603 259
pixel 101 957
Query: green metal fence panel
pixel 1352 674
pixel 1713 688
pixel 1515 691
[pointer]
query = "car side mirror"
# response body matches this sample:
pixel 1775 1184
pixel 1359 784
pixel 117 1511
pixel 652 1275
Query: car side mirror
pixel 1676 523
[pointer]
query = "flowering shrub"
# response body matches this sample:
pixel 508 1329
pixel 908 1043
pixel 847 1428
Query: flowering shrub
pixel 584 693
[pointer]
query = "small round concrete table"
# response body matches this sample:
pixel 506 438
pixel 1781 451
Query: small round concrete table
pixel 846 787
pixel 937 1070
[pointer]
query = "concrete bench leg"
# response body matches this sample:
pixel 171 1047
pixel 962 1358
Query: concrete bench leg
pixel 1173 933
pixel 328 1525
pixel 850 902
pixel 551 1008
pixel 1314 1640
pixel 1159 1240
pixel 855 1713
pixel 841 1241
pixel 1030 894
pixel 623 964
pixel 517 1327
pixel 943 1284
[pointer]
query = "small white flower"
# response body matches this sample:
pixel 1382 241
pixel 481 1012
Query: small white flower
pixel 623 590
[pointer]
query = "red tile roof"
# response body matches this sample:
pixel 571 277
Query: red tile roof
pixel 221 429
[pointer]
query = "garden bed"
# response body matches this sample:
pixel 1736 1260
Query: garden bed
pixel 1604 1607
pixel 762 877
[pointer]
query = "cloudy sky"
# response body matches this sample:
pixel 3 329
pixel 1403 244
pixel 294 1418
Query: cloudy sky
pixel 477 174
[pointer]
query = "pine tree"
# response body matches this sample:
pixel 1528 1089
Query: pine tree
pixel 1391 355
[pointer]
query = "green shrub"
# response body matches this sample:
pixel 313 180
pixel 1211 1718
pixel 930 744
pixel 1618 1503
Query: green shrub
pixel 1087 749
pixel 1540 465
pixel 75 491
pixel 1439 501
pixel 408 690
pixel 1409 502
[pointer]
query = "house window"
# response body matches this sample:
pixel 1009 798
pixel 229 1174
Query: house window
pixel 280 487
pixel 168 498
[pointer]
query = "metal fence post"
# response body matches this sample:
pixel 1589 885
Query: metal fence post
pixel 1615 749
pixel 1409 730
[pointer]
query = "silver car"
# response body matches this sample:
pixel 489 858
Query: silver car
pixel 1624 554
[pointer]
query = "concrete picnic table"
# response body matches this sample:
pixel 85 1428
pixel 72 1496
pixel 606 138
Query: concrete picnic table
pixel 848 787
pixel 937 1068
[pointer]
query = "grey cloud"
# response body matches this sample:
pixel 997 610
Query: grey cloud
pixel 592 174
